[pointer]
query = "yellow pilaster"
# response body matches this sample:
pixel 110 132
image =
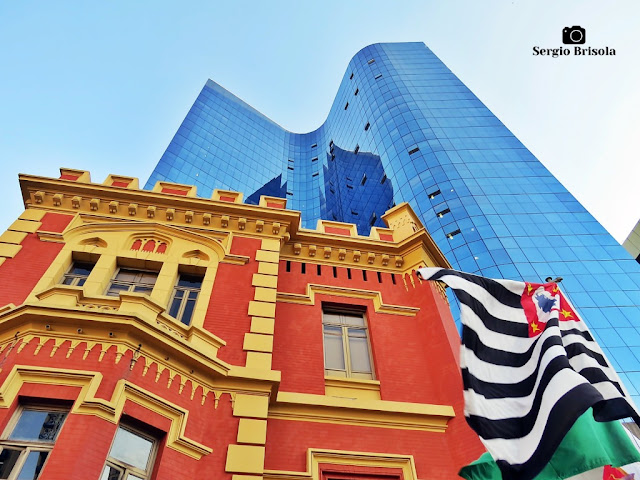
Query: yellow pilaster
pixel 258 342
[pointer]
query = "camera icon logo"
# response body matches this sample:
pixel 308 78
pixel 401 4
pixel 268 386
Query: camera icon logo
pixel 573 35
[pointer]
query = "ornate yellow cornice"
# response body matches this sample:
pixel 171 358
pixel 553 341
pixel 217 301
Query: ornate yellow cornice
pixel 403 247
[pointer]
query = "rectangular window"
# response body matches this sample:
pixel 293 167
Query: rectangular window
pixel 77 275
pixel 364 179
pixel 433 195
pixel 314 159
pixel 315 174
pixel 450 235
pixel 384 178
pixel 413 150
pixel 443 212
pixel 356 92
pixel 346 106
pixel 366 127
pixel 129 280
pixel 185 295
pixel 371 61
pixel 346 344
pixel 357 149
pixel 130 457
pixel 24 451
pixel 314 145
pixel 378 76
pixel 351 76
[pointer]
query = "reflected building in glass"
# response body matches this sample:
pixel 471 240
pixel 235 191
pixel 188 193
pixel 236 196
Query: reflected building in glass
pixel 404 128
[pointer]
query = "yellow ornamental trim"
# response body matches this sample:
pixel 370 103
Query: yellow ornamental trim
pixel 363 412
pixel 316 456
pixel 379 306
pixel 110 410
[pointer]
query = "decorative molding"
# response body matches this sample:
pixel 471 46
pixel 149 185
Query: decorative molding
pixel 110 410
pixel 364 412
pixel 379 306
pixel 317 457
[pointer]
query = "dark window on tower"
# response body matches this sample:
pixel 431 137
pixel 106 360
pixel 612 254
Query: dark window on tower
pixel 351 76
pixel 413 150
pixel 366 127
pixel 371 61
pixel 433 195
pixel 450 235
pixel 357 149
pixel 346 106
pixel 364 179
pixel 384 178
pixel 314 145
pixel 378 76
pixel 356 92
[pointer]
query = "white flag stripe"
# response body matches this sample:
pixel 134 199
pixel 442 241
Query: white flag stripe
pixel 491 338
pixel 512 285
pixel 514 407
pixel 583 361
pixel 521 450
pixel 494 308
pixel 489 372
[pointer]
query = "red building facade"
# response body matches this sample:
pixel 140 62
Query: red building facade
pixel 157 335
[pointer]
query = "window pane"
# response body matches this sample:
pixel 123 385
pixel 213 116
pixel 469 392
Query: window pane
pixel 148 278
pixel 33 465
pixel 333 348
pixel 81 281
pixel 331 318
pixel 175 305
pixel 126 275
pixel 110 473
pixel 188 312
pixel 190 281
pixel 142 289
pixel 38 426
pixel 359 351
pixel 68 280
pixel 193 295
pixel 8 459
pixel 83 269
pixel 115 289
pixel 353 319
pixel 131 448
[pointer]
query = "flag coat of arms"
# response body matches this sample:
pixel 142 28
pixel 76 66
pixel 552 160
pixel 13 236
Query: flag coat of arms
pixel 530 368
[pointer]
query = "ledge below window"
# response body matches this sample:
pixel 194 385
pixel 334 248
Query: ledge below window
pixel 352 388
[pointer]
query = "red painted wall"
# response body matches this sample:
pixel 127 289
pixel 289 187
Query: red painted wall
pixel 19 275
pixel 416 359
pixel 227 315
pixel 211 425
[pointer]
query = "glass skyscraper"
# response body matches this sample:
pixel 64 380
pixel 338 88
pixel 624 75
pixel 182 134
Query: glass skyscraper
pixel 403 128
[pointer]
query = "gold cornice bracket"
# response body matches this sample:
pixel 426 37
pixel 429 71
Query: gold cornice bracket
pixel 88 404
pixel 363 412
pixel 376 297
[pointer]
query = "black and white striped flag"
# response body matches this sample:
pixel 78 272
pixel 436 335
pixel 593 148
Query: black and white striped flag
pixel 530 368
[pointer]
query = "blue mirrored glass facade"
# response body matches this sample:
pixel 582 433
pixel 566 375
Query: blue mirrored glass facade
pixel 403 128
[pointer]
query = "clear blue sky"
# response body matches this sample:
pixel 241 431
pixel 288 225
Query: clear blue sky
pixel 104 86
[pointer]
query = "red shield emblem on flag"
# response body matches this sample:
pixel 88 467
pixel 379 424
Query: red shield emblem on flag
pixel 542 301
